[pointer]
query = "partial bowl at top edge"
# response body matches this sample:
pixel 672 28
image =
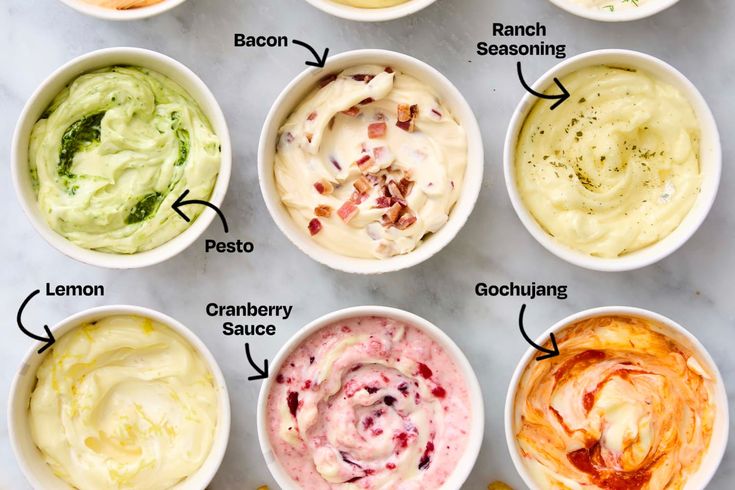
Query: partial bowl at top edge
pixel 650 8
pixel 126 14
pixel 370 14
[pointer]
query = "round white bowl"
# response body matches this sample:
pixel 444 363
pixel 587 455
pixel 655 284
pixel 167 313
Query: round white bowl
pixel 711 460
pixel 30 459
pixel 370 15
pixel 710 160
pixel 129 14
pixel 295 93
pixel 40 100
pixel 476 430
pixel 648 9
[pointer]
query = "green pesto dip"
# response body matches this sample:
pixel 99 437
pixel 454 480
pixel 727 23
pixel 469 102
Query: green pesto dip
pixel 114 151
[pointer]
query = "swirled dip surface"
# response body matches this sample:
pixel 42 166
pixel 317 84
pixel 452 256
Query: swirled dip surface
pixel 112 154
pixel 622 407
pixel 370 163
pixel 610 5
pixel 613 169
pixel 371 4
pixel 369 403
pixel 123 4
pixel 124 403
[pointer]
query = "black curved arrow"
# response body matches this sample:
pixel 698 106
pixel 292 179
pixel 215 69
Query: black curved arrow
pixel 560 99
pixel 181 202
pixel 262 373
pixel 549 352
pixel 320 61
pixel 48 340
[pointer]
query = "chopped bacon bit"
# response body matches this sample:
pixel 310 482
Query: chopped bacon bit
pixel 309 137
pixel 323 211
pixel 405 221
pixel 388 69
pixel 293 402
pixel 407 115
pixel 439 392
pixel 352 111
pixel 392 215
pixel 311 116
pixel 377 130
pixel 404 112
pixel 324 187
pixel 436 113
pixel 358 197
pixel 315 226
pixel 367 101
pixel 405 186
pixel 425 370
pixel 363 78
pixel 394 190
pixel 327 80
pixel 348 211
pixel 383 202
pixel 362 185
pixel 364 162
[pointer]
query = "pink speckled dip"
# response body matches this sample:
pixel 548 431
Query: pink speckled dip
pixel 372 397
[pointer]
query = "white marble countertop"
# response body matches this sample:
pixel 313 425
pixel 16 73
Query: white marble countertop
pixel 694 286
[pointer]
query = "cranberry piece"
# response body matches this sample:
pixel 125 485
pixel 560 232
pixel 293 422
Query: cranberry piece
pixel 279 379
pixel 403 388
pixel 439 392
pixel 390 466
pixel 293 402
pixel 425 371
pixel 307 384
pixel 368 422
pixel 371 389
pixel 424 463
pixel 311 360
pixel 315 226
pixel 389 400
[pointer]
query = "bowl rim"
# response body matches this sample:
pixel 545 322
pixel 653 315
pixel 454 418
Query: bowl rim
pixel 370 15
pixel 460 213
pixel 216 455
pixel 721 400
pixel 66 74
pixel 648 10
pixel 476 434
pixel 122 15
pixel 710 177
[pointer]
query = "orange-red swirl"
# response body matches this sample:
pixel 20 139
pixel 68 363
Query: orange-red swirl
pixel 622 407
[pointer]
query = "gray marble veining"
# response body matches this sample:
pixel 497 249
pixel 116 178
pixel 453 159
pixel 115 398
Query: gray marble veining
pixel 694 286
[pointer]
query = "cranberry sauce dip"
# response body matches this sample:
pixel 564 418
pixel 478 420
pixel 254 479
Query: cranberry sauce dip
pixel 369 402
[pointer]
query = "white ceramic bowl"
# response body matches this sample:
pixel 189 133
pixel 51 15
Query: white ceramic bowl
pixel 295 93
pixel 711 460
pixel 129 14
pixel 710 160
pixel 370 15
pixel 30 460
pixel 476 431
pixel 651 7
pixel 40 100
